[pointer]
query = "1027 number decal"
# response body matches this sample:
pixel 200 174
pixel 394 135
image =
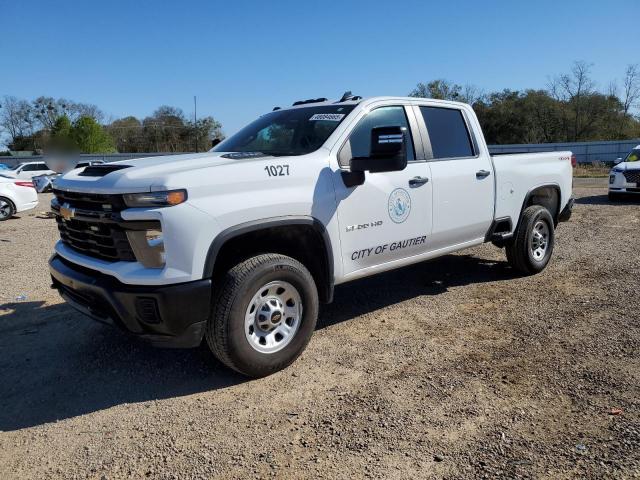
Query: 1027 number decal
pixel 277 170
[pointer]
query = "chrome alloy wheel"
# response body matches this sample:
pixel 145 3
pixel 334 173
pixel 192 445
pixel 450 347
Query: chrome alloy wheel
pixel 539 240
pixel 273 317
pixel 5 209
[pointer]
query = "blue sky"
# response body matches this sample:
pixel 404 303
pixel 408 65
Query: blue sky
pixel 241 58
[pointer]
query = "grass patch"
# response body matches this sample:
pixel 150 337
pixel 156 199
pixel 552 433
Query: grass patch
pixel 591 170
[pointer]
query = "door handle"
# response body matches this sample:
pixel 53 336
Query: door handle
pixel 418 181
pixel 482 173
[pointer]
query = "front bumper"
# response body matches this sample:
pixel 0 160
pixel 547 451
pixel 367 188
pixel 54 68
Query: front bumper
pixel 629 190
pixel 166 315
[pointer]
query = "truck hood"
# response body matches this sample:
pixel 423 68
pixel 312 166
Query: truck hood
pixel 142 174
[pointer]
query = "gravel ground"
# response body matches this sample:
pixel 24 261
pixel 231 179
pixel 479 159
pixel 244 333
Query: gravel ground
pixel 454 368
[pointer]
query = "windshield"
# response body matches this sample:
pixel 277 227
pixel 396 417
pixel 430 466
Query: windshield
pixel 633 156
pixel 287 132
pixel 17 166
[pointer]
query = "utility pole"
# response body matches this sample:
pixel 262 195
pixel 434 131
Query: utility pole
pixel 195 120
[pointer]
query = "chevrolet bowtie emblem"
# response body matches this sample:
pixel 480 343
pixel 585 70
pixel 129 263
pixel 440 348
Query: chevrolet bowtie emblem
pixel 67 212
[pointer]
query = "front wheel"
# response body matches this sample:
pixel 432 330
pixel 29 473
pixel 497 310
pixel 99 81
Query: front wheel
pixel 264 314
pixel 530 250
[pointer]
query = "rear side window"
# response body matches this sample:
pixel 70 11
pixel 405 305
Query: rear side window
pixel 448 132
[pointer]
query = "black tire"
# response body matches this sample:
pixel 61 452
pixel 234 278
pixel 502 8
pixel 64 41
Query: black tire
pixel 9 210
pixel 225 332
pixel 519 252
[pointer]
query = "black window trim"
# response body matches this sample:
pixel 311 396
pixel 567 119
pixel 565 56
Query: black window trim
pixel 427 140
pixel 414 131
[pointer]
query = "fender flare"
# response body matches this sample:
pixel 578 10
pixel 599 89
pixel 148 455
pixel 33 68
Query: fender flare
pixel 265 223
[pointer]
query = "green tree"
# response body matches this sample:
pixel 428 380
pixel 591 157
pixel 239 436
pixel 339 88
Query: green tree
pixel 127 134
pixel 62 138
pixel 91 137
pixel 439 89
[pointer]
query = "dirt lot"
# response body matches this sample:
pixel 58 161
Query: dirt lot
pixel 454 368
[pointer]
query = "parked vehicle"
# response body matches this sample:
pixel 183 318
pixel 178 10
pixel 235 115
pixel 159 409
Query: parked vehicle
pixel 4 166
pixel 16 196
pixel 28 170
pixel 44 183
pixel 624 177
pixel 240 245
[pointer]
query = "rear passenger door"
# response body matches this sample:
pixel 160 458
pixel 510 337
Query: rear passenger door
pixel 462 177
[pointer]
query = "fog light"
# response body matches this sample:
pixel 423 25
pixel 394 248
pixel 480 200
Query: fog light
pixel 148 247
pixel 147 310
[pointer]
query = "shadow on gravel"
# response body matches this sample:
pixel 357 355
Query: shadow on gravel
pixel 604 200
pixel 427 278
pixel 57 364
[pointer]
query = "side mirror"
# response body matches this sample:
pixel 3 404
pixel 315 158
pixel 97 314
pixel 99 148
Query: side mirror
pixel 617 161
pixel 388 152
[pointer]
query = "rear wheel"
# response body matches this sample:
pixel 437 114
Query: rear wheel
pixel 530 250
pixel 264 314
pixel 7 210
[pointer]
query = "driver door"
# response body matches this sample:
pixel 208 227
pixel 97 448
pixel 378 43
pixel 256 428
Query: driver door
pixel 387 218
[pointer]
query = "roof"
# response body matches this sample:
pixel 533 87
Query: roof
pixel 369 100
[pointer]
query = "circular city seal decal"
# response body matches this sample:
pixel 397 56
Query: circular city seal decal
pixel 399 205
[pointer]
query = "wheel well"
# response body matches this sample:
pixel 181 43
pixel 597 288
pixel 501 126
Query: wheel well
pixel 304 242
pixel 547 196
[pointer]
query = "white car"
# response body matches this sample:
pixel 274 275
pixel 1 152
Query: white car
pixel 16 196
pixel 28 170
pixel 240 244
pixel 624 178
pixel 44 183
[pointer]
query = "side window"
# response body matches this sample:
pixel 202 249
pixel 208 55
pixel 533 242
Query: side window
pixel 448 132
pixel 41 166
pixel 359 143
pixel 32 167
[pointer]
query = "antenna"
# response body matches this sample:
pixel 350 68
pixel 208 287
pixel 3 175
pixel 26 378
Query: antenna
pixel 349 96
pixel 195 120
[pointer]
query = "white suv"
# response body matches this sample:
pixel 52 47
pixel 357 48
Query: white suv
pixel 624 178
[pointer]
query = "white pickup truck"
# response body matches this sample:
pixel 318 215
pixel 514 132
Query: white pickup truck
pixel 239 245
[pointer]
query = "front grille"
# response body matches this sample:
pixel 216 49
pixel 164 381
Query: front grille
pixel 100 240
pixel 632 176
pixel 91 201
pixel 95 228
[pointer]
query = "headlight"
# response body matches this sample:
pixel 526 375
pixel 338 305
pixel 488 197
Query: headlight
pixel 155 199
pixel 617 170
pixel 148 247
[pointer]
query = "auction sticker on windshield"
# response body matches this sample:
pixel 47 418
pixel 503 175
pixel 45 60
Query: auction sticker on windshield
pixel 332 117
